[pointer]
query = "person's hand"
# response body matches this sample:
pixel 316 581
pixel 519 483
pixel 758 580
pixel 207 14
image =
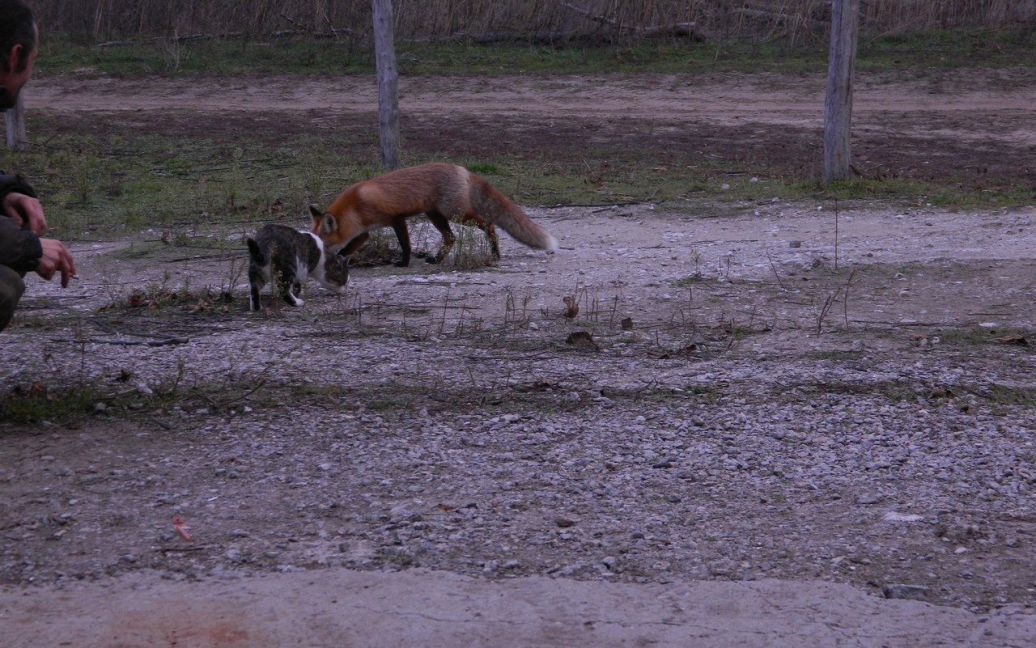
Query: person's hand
pixel 25 210
pixel 55 259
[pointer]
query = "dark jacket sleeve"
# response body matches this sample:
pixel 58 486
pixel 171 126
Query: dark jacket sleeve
pixel 12 183
pixel 20 250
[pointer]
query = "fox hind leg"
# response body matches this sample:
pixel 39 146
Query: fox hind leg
pixel 442 224
pixel 487 227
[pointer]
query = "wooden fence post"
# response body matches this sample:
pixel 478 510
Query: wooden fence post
pixel 838 106
pixel 388 84
pixel 14 120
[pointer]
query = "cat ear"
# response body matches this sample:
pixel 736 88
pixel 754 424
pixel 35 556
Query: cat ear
pixel 315 212
pixel 328 223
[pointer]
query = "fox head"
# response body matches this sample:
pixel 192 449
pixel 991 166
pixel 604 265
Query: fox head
pixel 342 234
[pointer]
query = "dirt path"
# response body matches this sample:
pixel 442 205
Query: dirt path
pixel 950 109
pixel 343 608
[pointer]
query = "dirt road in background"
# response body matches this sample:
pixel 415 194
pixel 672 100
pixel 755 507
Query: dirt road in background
pixel 951 107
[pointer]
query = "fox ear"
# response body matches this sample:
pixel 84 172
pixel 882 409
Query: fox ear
pixel 328 223
pixel 354 244
pixel 315 212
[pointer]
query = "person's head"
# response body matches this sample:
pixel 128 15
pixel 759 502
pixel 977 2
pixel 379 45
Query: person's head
pixel 18 36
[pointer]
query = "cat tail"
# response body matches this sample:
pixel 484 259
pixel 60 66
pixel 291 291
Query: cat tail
pixel 255 252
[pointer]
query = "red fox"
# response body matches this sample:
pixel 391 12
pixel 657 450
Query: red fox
pixel 439 190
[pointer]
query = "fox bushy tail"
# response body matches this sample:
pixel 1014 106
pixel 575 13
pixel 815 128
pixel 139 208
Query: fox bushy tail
pixel 494 207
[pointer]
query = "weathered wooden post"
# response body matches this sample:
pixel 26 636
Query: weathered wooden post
pixel 388 84
pixel 838 106
pixel 14 120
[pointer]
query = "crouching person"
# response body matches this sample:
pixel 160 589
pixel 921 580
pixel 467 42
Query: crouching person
pixel 22 222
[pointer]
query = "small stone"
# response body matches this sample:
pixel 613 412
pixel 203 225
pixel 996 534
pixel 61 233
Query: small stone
pixel 326 466
pixel 565 522
pixel 894 516
pixel 404 513
pixel 100 407
pixel 794 244
pixel 569 570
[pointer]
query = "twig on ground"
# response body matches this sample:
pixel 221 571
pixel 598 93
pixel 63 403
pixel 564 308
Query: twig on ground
pixel 775 273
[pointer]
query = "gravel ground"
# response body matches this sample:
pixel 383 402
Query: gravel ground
pixel 448 419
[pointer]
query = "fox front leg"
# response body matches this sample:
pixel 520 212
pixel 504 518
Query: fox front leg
pixel 403 236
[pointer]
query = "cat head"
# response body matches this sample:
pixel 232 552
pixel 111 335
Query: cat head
pixel 336 271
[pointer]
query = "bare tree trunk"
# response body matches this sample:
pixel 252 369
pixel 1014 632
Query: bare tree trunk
pixel 14 120
pixel 388 84
pixel 838 107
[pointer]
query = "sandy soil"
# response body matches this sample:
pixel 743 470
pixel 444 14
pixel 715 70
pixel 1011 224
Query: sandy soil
pixel 773 408
pixel 733 100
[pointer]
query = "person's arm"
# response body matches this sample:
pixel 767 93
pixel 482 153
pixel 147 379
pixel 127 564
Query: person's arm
pixel 20 249
pixel 19 203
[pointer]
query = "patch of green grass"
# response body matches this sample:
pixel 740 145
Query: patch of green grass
pixel 694 280
pixel 918 51
pixel 977 335
pixel 888 190
pixel 483 168
pixel 948 49
pixel 134 178
pixel 124 185
pixel 36 403
pixel 60 55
